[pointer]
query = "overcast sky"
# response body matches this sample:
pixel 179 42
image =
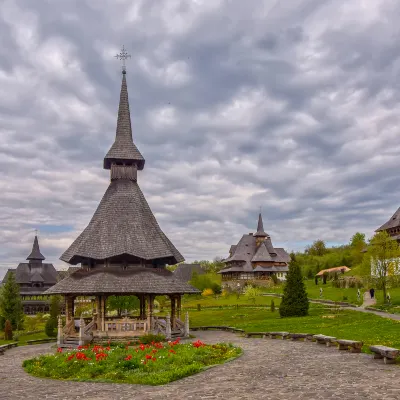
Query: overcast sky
pixel 290 106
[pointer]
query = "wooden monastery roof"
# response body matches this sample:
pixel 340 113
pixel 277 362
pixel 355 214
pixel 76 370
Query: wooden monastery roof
pixel 123 224
pixel 393 222
pixel 115 280
pixel 123 148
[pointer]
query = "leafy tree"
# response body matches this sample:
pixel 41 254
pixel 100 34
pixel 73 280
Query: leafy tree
pixel 51 327
pixel 206 281
pixel 272 306
pixel 383 253
pixel 121 303
pixel 252 293
pixel 357 245
pixel 318 248
pixel 8 331
pixel 294 301
pixel 55 306
pixel 10 302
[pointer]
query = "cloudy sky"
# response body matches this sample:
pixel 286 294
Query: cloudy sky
pixel 236 105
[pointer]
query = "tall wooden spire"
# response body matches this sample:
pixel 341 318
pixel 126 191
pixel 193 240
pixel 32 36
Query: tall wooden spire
pixel 35 253
pixel 123 151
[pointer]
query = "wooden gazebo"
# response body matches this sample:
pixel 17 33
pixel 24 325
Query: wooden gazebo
pixel 122 251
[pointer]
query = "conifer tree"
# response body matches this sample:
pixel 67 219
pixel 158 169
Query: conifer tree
pixel 294 301
pixel 11 303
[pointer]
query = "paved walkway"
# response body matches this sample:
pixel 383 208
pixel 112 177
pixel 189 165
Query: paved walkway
pixel 268 370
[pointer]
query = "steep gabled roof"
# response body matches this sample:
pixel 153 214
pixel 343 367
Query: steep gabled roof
pixel 185 272
pixel 123 148
pixel 35 253
pixel 393 222
pixel 122 224
pixel 244 250
pixel 262 254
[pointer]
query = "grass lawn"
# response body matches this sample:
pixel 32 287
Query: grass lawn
pixel 232 300
pixel 353 325
pixel 24 338
pixel 337 294
pixel 152 364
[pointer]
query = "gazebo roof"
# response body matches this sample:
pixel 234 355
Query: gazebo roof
pixel 115 280
pixel 123 224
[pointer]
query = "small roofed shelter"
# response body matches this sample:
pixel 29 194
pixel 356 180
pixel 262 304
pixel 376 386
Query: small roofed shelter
pixel 34 278
pixel 123 251
pixel 331 271
pixel 185 272
pixel 254 258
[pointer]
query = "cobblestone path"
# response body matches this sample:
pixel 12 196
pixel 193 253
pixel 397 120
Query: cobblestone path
pixel 268 370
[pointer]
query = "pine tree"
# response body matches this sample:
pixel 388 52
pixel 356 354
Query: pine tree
pixel 11 303
pixel 294 301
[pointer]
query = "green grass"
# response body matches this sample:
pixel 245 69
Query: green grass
pixel 22 340
pixel 154 364
pixel 353 325
pixel 232 300
pixel 338 294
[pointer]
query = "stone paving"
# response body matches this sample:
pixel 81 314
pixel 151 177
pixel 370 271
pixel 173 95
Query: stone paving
pixel 268 370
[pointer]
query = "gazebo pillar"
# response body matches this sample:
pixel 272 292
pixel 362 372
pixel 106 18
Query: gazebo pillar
pixel 150 307
pixel 69 308
pixel 98 312
pixel 179 306
pixel 103 305
pixel 142 307
pixel 173 311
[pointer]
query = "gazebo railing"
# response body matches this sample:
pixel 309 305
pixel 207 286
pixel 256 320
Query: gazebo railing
pixel 124 326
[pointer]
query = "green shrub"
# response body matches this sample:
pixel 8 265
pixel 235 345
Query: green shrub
pixel 272 306
pixel 51 327
pixel 147 339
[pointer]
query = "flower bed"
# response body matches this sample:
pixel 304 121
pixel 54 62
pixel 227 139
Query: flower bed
pixel 152 364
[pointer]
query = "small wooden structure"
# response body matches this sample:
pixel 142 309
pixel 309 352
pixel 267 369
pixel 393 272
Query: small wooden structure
pixel 254 258
pixel 34 278
pixel 122 251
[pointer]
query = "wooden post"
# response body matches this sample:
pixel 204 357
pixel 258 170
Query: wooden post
pixel 173 314
pixel 179 306
pixel 186 331
pixel 69 306
pixel 103 312
pixel 60 335
pixel 81 331
pixel 150 307
pixel 142 307
pixel 168 327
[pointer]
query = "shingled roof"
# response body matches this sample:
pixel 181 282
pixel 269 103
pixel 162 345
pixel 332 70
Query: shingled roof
pixel 393 222
pixel 185 272
pixel 260 227
pixel 246 254
pixel 123 148
pixel 123 224
pixel 114 280
pixel 35 253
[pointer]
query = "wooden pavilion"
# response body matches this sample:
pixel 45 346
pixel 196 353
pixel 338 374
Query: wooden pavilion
pixel 122 251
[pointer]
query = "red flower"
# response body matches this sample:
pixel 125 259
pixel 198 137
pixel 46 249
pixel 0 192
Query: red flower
pixel 70 357
pixel 198 344
pixel 154 359
pixel 101 356
pixel 59 350
pixel 127 358
pixel 108 348
pixel 172 351
pixel 142 347
pixel 148 357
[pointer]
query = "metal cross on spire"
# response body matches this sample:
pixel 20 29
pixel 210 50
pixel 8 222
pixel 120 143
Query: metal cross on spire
pixel 36 232
pixel 123 56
